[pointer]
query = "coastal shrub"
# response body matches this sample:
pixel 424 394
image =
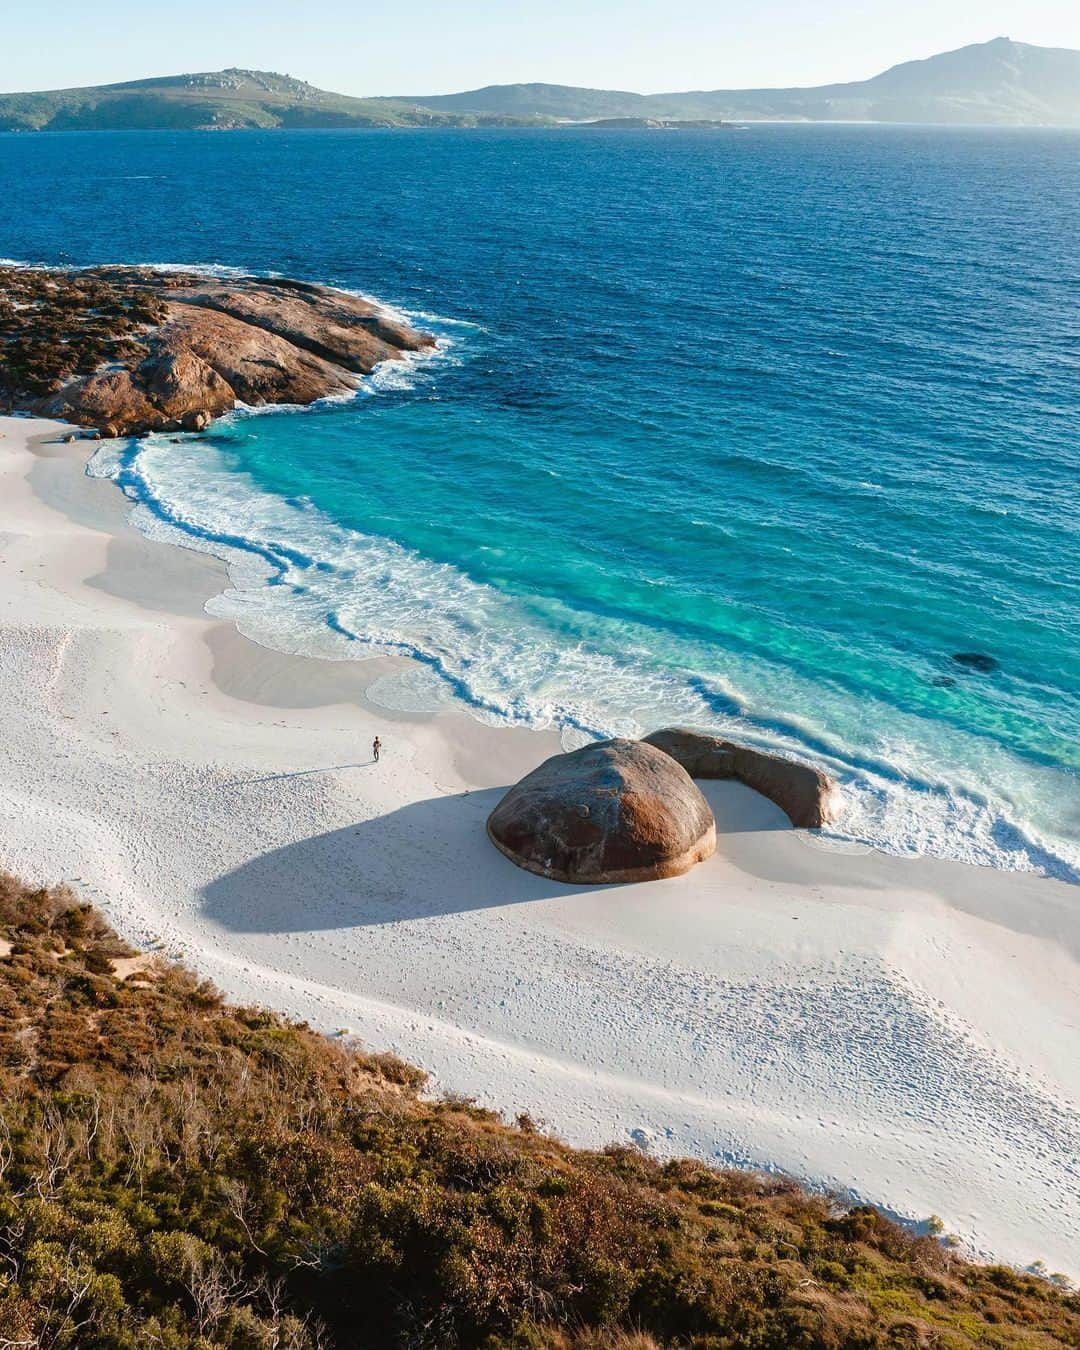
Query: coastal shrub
pixel 182 1173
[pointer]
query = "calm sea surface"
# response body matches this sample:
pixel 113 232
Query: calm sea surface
pixel 757 430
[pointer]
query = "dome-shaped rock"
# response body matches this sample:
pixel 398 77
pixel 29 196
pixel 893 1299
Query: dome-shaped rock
pixel 610 812
pixel 808 795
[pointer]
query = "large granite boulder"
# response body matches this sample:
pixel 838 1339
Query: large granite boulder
pixel 610 812
pixel 808 796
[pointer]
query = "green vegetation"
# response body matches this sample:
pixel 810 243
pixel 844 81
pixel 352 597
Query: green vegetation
pixel 224 100
pixel 1004 82
pixel 176 1172
pixel 57 325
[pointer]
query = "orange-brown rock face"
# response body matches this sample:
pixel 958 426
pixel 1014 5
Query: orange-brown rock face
pixel 255 365
pixel 616 811
pixel 333 325
pixel 221 343
pixel 808 796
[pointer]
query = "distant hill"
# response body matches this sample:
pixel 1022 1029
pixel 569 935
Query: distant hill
pixel 223 100
pixel 999 82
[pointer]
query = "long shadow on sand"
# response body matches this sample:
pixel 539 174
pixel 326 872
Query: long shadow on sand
pixel 429 858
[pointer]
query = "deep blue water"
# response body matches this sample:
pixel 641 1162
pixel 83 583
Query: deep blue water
pixel 755 429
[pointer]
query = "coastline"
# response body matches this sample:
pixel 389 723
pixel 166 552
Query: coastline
pixel 903 1028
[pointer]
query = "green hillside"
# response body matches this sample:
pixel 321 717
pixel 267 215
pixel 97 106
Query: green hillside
pixel 990 83
pixel 180 1173
pixel 224 100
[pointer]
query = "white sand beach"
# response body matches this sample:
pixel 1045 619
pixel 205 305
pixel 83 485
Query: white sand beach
pixel 905 1031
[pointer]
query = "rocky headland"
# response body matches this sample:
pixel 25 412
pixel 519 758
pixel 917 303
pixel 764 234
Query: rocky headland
pixel 652 124
pixel 126 350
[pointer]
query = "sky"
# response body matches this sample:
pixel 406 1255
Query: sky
pixel 424 47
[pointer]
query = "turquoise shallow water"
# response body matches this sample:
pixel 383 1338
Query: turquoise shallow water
pixel 758 429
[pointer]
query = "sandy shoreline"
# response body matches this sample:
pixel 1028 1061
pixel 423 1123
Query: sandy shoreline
pixel 905 1029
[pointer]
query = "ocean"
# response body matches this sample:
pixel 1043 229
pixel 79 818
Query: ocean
pixel 774 431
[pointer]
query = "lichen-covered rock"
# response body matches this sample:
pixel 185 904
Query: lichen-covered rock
pixel 615 811
pixel 809 796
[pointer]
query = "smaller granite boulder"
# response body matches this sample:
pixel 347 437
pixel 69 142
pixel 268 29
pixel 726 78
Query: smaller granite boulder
pixel 808 796
pixel 615 811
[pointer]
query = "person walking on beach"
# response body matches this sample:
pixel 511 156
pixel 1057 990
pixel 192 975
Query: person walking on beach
pixel 376 746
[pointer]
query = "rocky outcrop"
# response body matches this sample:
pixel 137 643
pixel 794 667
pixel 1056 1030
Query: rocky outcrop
pixel 615 811
pixel 207 345
pixel 809 797
pixel 337 327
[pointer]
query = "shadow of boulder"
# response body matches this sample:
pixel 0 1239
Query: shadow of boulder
pixel 433 858
pixel 426 859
